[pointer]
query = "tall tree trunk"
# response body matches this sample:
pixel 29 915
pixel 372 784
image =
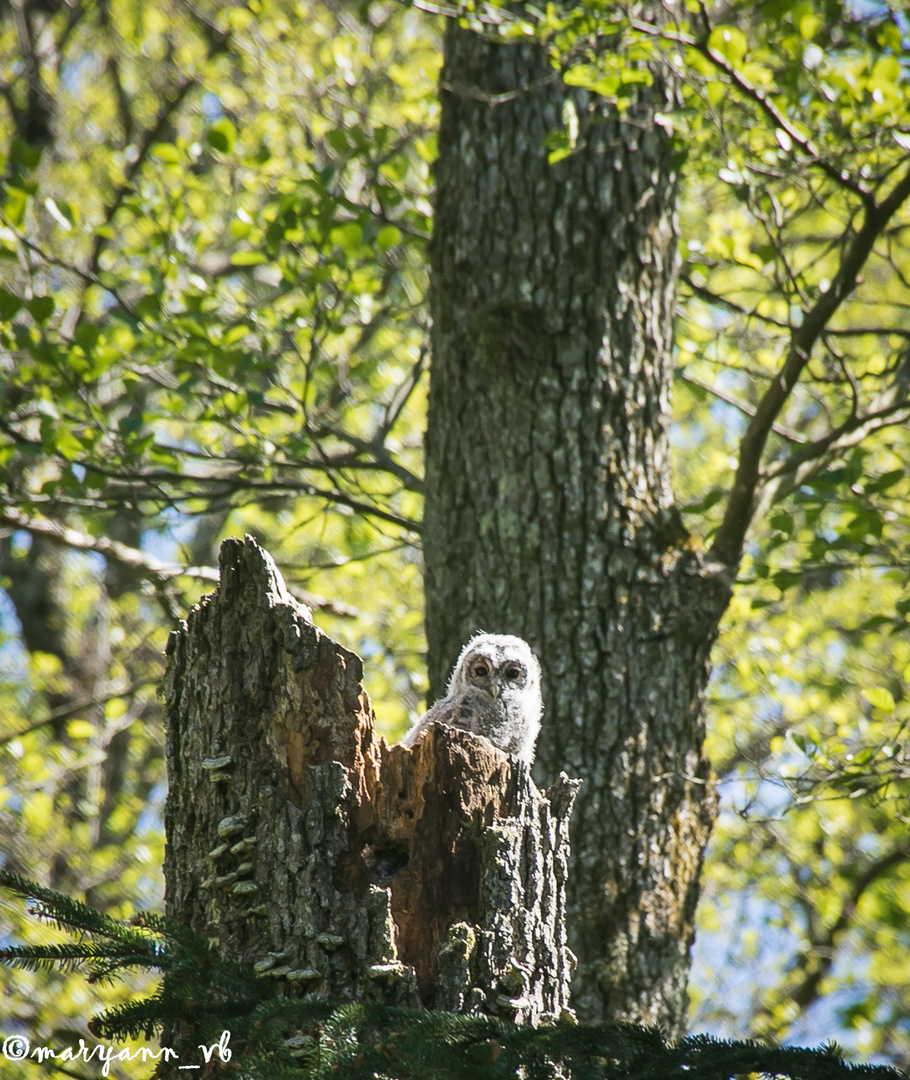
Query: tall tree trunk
pixel 549 511
pixel 335 864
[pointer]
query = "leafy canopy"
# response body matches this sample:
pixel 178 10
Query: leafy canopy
pixel 213 230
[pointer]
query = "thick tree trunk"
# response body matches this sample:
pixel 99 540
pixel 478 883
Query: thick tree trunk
pixel 548 508
pixel 332 862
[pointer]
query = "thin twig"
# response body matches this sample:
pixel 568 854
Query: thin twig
pixel 67 712
pixel 740 508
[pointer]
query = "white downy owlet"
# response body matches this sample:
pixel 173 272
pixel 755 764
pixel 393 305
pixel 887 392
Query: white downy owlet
pixel 494 691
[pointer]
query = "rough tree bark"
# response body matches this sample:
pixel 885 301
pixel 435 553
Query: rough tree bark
pixel 549 511
pixel 306 846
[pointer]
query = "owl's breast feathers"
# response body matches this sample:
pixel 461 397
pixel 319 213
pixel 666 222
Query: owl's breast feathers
pixel 476 710
pixel 471 710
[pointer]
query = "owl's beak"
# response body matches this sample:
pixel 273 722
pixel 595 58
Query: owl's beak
pixel 495 688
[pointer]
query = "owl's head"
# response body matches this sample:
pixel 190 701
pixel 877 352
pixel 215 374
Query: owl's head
pixel 499 664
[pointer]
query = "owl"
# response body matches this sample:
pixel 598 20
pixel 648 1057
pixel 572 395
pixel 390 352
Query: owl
pixel 495 692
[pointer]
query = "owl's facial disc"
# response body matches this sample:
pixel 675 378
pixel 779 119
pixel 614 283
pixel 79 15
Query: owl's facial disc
pixel 481 674
pixel 484 673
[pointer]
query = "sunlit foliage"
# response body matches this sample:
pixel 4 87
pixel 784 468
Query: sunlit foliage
pixel 213 231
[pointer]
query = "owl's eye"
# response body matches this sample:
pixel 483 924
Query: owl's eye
pixel 512 672
pixel 480 670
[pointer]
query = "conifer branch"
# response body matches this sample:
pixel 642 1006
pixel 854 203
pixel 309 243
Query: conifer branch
pixel 313 1039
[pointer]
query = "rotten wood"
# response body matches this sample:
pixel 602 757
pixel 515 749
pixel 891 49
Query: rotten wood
pixel 333 862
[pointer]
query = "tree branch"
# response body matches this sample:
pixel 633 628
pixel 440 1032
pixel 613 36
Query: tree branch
pixel 716 300
pixel 740 406
pixel 759 98
pixel 218 40
pixel 130 558
pixel 160 574
pixel 67 712
pixel 224 480
pixel 817 958
pixel 796 469
pixel 740 511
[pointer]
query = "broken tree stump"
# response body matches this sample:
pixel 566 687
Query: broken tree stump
pixel 334 863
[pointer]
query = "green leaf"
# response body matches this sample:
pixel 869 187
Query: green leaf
pixel 729 42
pixel 338 140
pixel 23 153
pixel 798 741
pixel 248 258
pixel 40 308
pixel 712 498
pixel 81 729
pixel 348 236
pixel 880 698
pixel 87 335
pixel 558 139
pixel 809 25
pixel 61 212
pixel 782 522
pixel 235 334
pixel 67 445
pixel 166 152
pixel 592 78
pixel 640 76
pixel 221 135
pixel 15 204
pixel 387 237
pixel 786 579
pixel 9 304
pixel 148 306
